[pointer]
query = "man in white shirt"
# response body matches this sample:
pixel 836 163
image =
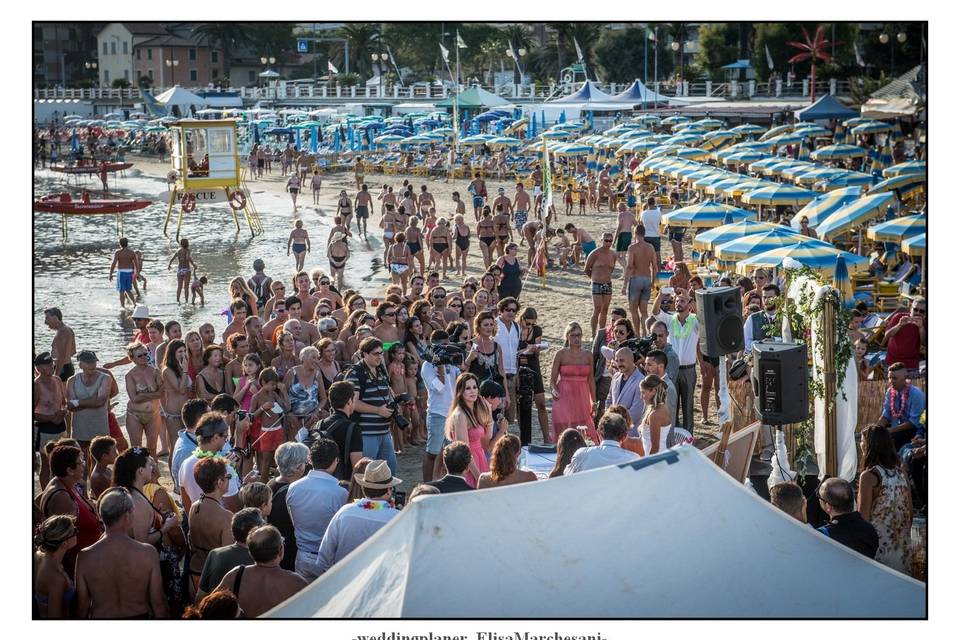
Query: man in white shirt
pixel 508 337
pixel 684 335
pixel 312 501
pixel 650 218
pixel 625 388
pixel 354 523
pixel 441 383
pixel 613 430
pixel 212 432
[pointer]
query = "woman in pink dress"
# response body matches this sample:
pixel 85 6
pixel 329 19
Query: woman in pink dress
pixel 471 421
pixel 572 385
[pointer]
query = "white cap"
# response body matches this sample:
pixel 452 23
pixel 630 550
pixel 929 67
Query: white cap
pixel 141 312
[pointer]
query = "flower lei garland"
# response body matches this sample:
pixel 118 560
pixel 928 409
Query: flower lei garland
pixel 200 453
pixel 375 505
pixel 904 401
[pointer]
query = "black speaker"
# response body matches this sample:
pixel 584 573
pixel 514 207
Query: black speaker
pixel 780 382
pixel 720 313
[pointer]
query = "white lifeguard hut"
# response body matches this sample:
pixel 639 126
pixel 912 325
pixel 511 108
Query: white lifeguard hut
pixel 206 169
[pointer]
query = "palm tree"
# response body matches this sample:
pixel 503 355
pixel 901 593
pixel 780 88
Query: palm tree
pixel 517 37
pixel 813 49
pixel 225 35
pixel 364 39
pixel 584 34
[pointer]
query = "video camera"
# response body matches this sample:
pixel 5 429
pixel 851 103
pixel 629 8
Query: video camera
pixel 639 346
pixel 444 354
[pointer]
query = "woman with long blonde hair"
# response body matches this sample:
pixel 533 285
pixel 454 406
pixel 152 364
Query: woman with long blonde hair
pixel 239 289
pixel 470 421
pixel 655 425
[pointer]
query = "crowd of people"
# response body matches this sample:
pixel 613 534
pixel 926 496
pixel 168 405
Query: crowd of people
pixel 279 433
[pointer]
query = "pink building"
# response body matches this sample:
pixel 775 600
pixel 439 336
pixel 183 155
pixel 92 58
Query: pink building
pixel 172 59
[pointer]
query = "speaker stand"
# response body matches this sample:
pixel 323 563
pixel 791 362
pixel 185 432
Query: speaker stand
pixel 724 390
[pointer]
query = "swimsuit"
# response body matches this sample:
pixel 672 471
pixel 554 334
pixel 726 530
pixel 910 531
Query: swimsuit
pixel 211 390
pixel 624 238
pixel 299 247
pixel 335 262
pixel 183 271
pixel 125 280
pixel 588 247
pixel 414 247
pixel 602 289
pixel 440 247
pixel 463 241
pixel 488 241
pixel 361 211
pixel 520 219
pixel 638 288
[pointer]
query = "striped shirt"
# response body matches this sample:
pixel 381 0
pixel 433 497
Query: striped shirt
pixel 376 393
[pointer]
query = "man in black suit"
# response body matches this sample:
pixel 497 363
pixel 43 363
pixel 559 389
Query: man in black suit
pixel 456 457
pixel 846 525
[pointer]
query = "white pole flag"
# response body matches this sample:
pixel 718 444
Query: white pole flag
pixel 856 52
pixel 769 57
pixel 394 63
pixel 445 52
pixel 579 52
pixel 332 68
pixel 460 42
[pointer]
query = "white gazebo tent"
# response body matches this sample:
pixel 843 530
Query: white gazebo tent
pixel 624 541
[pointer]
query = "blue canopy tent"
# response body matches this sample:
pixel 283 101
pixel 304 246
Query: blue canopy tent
pixel 589 92
pixel 637 93
pixel 826 108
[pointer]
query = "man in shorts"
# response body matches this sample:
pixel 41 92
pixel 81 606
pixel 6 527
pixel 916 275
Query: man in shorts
pixel 124 263
pixel 650 217
pixel 49 409
pixel 362 204
pixel 479 190
pixel 599 269
pixel 64 345
pixel 521 207
pixel 583 242
pixel 638 277
pixel 625 221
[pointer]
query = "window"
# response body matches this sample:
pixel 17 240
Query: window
pixel 214 56
pixel 149 54
pixel 193 54
pixel 126 47
pixel 138 54
pixel 251 77
pixel 105 50
pixel 150 74
pixel 193 75
pixel 126 74
pixel 106 75
pixel 113 48
pixel 214 73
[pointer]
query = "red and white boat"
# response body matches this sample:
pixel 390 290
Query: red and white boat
pixel 83 169
pixel 86 206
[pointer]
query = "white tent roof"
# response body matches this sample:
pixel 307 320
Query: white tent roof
pixel 629 541
pixel 180 97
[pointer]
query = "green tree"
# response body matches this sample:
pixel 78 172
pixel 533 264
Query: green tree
pixel 226 36
pixel 415 44
pixel 775 36
pixel 518 37
pixel 719 42
pixel 272 39
pixel 620 54
pixel 364 39
pixel 144 82
pixel 585 34
pixel 120 83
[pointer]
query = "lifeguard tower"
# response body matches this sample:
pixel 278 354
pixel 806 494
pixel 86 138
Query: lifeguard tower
pixel 206 170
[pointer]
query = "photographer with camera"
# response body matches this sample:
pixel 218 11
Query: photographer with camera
pixel 373 402
pixel 340 427
pixel 530 387
pixel 442 364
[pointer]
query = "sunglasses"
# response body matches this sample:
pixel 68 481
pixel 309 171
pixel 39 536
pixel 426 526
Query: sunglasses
pixel 324 282
pixel 606 240
pixel 456 306
pixel 510 310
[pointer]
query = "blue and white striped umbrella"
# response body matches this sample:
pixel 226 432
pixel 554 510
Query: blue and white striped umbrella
pixel 704 171
pixel 719 176
pixel 838 151
pixel 775 131
pixel 902 181
pixel 707 240
pixel 745 157
pixel 853 122
pixel 684 138
pixel 574 149
pixel 389 138
pixel 709 123
pixel 634 133
pixel 841 282
pixel 812 131
pixel 820 208
pixel 779 195
pixel 786 139
pixel 760 165
pixel 558 133
pixel 854 215
pixel 821 257
pixel 755 243
pixel 898 229
pixel 798 168
pixel 816 174
pixel 870 127
pixel 706 215
pixel 744 186
pixel 777 168
pixel 916 166
pixel 748 129
pixel 647 119
pixel 915 246
pixel 843 180
pixel 672 120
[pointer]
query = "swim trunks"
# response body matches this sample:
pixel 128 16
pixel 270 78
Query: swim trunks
pixel 602 289
pixel 67 371
pixel 477 202
pixel 676 233
pixel 588 247
pixel 299 248
pixel 125 280
pixel 44 432
pixel 624 238
pixel 294 190
pixel 520 219
pixel 638 288
pixel 655 241
pixel 362 211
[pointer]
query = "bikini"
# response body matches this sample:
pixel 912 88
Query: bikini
pixel 337 262
pixel 143 417
pixel 396 266
pixel 212 390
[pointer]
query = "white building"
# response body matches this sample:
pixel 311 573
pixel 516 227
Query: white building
pixel 115 45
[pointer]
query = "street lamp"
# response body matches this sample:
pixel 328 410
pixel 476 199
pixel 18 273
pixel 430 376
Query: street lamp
pixel 379 59
pixel 678 47
pixel 173 64
pixel 885 38
pixel 901 37
pixel 520 52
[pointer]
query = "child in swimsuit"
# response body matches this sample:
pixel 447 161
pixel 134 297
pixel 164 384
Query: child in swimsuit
pixel 197 289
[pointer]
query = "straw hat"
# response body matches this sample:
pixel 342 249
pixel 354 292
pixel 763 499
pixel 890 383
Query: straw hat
pixel 337 237
pixel 377 476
